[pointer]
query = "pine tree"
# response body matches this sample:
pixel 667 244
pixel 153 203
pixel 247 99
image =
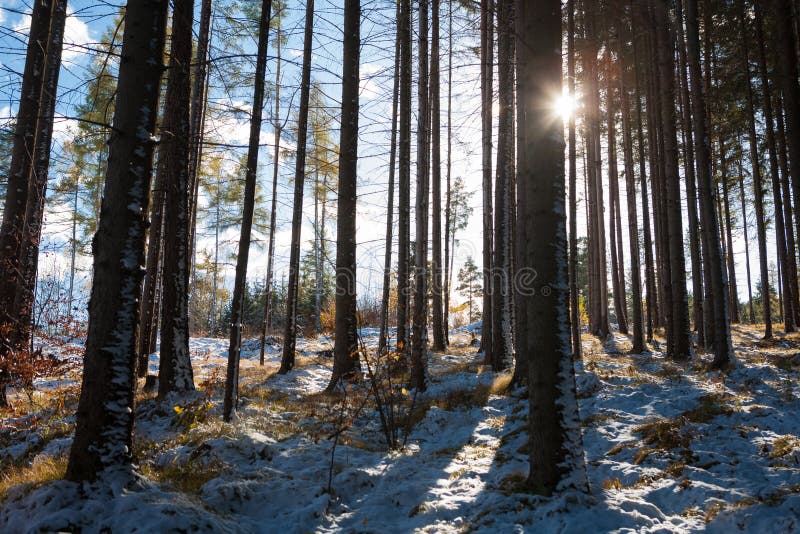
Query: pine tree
pixel 104 421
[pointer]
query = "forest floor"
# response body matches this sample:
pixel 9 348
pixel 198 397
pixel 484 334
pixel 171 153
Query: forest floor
pixel 670 447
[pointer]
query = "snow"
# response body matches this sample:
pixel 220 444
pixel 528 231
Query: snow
pixel 720 466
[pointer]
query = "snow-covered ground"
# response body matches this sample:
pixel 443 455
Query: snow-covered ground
pixel 669 448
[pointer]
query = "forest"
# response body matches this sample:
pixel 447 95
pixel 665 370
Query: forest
pixel 400 266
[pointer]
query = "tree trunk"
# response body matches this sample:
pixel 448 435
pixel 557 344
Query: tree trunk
pixel 691 183
pixel 449 224
pixel 630 190
pixel 18 185
pixel 404 175
pixel 783 221
pixel 104 421
pixel 175 365
pixel 419 339
pixel 574 298
pixel 717 289
pixel 290 330
pixel 487 84
pixel 32 228
pixel 152 277
pixel 346 351
pixel 746 246
pixel 278 127
pixel 556 449
pixel 787 206
pixel 240 281
pixel 758 186
pixel 502 345
pixel 733 292
pixel 681 343
pixel 437 303
pixel 387 261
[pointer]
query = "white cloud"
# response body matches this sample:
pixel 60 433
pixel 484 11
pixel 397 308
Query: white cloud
pixel 76 34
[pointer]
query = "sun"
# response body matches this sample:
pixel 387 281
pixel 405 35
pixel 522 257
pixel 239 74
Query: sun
pixel 565 105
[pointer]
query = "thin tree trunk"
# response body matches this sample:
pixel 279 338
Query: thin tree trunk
pixel 104 421
pixel 630 190
pixel 502 346
pixel 175 365
pixel 758 186
pixel 449 224
pixel 240 281
pixel 419 340
pixel 783 222
pixel 437 303
pixel 346 354
pixel 32 228
pixel 733 290
pixel 746 246
pixel 18 186
pixel 573 195
pixel 691 183
pixel 290 329
pixel 787 206
pixel 404 175
pixel 387 261
pixel 717 289
pixel 487 84
pixel 277 125
pixel 152 277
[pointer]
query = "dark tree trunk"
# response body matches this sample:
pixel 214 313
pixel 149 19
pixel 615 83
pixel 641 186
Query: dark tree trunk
pixel 18 186
pixel 614 218
pixel 783 217
pixel 787 206
pixel 346 351
pixel 419 340
pixel 574 298
pixel 34 213
pixel 104 421
pixel 758 186
pixel 650 278
pixel 404 175
pixel 196 120
pixel 746 247
pixel 487 83
pixel 630 189
pixel 175 365
pixel 681 343
pixel 148 319
pixel 502 345
pixel 556 450
pixel 712 253
pixel 290 330
pixel 437 311
pixel 240 282
pixel 387 261
pixel 733 290
pixel 278 126
pixel 449 224
pixel 691 183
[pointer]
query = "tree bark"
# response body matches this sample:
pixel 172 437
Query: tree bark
pixel 345 350
pixel 240 281
pixel 437 302
pixel 419 339
pixel 290 330
pixel 715 270
pixel 574 298
pixel 175 365
pixel 487 84
pixel 556 449
pixel 404 175
pixel 104 421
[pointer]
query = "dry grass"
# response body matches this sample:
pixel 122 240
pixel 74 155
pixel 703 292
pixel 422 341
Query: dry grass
pixel 43 469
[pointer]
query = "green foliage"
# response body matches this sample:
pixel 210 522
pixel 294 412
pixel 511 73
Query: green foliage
pixel 470 285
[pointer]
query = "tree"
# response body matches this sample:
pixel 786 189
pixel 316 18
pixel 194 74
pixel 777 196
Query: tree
pixel 404 178
pixel 290 329
pixel 19 176
pixel 556 450
pixel 345 350
pixel 175 365
pixel 469 285
pixel 721 333
pixel 437 302
pixel 239 287
pixel 419 340
pixel 487 77
pixel 104 421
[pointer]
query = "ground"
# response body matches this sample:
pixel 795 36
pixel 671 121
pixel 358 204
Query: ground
pixel 670 447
